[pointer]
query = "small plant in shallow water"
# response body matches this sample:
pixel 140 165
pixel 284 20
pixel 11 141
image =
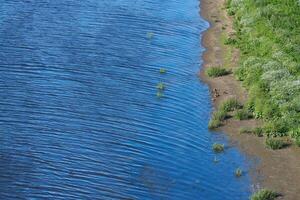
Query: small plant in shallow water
pixel 217 71
pixel 218 148
pixel 161 86
pixel 150 35
pixel 162 70
pixel 159 94
pixel 238 172
pixel 274 144
pixel 214 123
pixel 264 194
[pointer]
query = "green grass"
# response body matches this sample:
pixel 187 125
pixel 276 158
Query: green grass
pixel 218 148
pixel 230 105
pixel 264 194
pixel 217 71
pixel 214 123
pixel 238 172
pixel 297 141
pixel 246 130
pixel 274 144
pixel 267 34
pixel 258 131
pixel 242 114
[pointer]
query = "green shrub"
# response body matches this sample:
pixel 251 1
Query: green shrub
pixel 264 194
pixel 217 71
pixel 230 105
pixel 230 41
pixel 242 115
pixel 274 144
pixel 218 148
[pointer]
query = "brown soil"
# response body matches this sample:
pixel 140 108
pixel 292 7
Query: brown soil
pixel 276 170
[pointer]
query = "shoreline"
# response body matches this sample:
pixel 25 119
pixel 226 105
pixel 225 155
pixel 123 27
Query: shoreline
pixel 276 170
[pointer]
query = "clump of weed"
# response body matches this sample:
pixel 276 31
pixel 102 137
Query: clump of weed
pixel 274 143
pixel 161 86
pixel 218 148
pixel 230 41
pixel 217 71
pixel 214 123
pixel 238 172
pixel 242 114
pixel 264 194
pixel 297 141
pixel 162 70
pixel 230 105
pixel 258 131
pixel 159 94
pixel 246 130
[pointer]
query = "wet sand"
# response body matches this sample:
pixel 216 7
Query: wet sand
pixel 276 170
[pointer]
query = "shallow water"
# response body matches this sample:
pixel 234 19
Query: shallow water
pixel 79 114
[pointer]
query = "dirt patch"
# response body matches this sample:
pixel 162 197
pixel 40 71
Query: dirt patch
pixel 277 170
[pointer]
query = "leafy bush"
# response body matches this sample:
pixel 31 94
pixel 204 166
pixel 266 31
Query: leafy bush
pixel 218 148
pixel 274 144
pixel 217 71
pixel 264 194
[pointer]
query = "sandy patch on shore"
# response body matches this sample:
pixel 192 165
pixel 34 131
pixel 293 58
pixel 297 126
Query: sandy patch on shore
pixel 277 170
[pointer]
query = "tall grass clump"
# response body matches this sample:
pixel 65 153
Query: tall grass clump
pixel 242 114
pixel 274 144
pixel 267 34
pixel 264 194
pixel 230 105
pixel 217 71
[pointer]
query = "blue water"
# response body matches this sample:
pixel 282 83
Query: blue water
pixel 79 115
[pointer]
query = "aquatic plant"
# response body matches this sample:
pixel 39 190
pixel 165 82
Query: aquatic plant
pixel 238 172
pixel 161 86
pixel 217 71
pixel 274 143
pixel 162 70
pixel 150 35
pixel 218 148
pixel 159 94
pixel 264 194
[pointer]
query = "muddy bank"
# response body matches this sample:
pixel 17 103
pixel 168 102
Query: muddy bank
pixel 277 170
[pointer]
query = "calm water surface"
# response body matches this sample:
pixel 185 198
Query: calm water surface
pixel 79 115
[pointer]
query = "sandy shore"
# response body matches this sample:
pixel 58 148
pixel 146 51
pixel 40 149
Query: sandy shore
pixel 277 170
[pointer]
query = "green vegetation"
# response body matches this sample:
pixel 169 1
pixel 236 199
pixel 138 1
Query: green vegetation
pixel 297 141
pixel 218 148
pixel 161 86
pixel 230 105
pixel 256 131
pixel 274 144
pixel 217 71
pixel 162 70
pixel 267 34
pixel 264 195
pixel 159 94
pixel 222 113
pixel 242 114
pixel 238 172
pixel 150 35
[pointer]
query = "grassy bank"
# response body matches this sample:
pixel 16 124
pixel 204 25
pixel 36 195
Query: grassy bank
pixel 267 32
